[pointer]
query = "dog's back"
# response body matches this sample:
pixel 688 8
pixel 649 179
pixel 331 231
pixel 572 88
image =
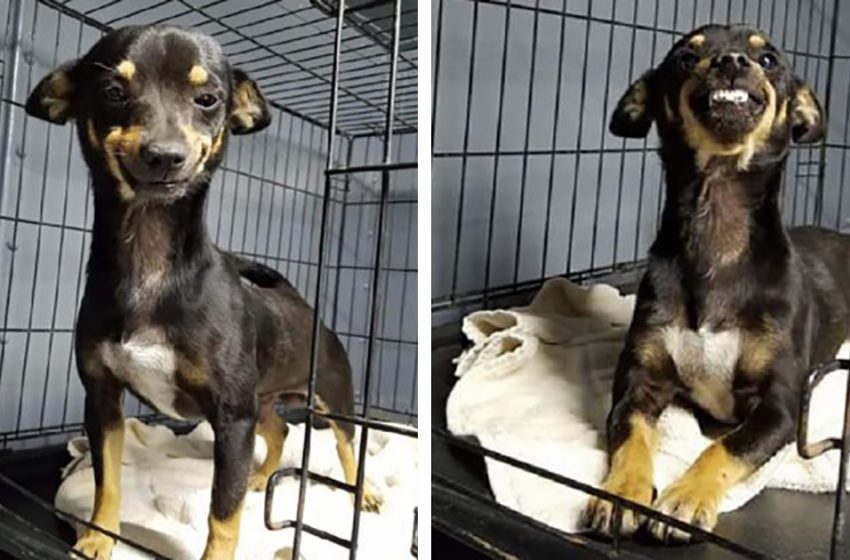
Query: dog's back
pixel 827 246
pixel 825 256
pixel 285 327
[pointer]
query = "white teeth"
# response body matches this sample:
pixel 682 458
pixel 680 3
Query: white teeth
pixel 729 96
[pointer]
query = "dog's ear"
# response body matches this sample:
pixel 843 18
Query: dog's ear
pixel 807 119
pixel 249 111
pixel 52 99
pixel 633 116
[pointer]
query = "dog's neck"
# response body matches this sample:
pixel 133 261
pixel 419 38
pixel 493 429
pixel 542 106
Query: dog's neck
pixel 718 217
pixel 141 249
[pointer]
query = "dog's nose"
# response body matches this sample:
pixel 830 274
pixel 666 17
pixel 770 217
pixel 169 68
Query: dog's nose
pixel 163 156
pixel 731 64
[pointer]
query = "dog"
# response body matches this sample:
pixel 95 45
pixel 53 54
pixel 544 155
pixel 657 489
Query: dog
pixel 191 330
pixel 734 309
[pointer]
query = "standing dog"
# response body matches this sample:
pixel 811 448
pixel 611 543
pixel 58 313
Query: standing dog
pixel 734 309
pixel 191 330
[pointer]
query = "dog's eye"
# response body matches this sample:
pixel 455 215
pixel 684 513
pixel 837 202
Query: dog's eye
pixel 206 101
pixel 688 61
pixel 767 60
pixel 114 94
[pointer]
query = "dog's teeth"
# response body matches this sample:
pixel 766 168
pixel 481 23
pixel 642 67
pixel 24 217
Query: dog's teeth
pixel 729 96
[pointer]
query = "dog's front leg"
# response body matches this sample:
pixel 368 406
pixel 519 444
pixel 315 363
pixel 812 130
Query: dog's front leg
pixel 639 398
pixel 104 423
pixel 234 450
pixel 697 495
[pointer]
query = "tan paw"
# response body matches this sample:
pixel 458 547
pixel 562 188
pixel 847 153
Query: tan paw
pixel 691 500
pixel 372 500
pixel 598 515
pixel 94 545
pixel 257 482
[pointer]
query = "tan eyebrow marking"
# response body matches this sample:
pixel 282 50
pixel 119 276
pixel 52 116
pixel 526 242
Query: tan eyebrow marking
pixel 697 40
pixel 127 69
pixel 198 75
pixel 757 41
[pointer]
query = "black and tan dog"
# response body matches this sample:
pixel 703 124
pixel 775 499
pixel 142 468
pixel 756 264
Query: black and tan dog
pixel 734 309
pixel 191 330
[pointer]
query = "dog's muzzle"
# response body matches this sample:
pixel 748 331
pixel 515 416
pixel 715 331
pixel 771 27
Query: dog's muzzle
pixel 731 97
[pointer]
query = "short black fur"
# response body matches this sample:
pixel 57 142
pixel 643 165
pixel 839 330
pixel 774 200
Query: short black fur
pixel 734 308
pixel 192 330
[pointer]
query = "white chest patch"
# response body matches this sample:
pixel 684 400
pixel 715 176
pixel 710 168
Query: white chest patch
pixel 148 365
pixel 706 360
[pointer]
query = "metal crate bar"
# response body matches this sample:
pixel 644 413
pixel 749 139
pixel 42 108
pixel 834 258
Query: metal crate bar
pixel 369 423
pixel 70 518
pixel 374 300
pixel 807 450
pixel 623 503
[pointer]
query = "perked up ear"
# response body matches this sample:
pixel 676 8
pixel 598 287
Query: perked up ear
pixel 52 99
pixel 249 111
pixel 633 116
pixel 807 119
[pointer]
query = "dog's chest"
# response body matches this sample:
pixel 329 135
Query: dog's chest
pixel 148 365
pixel 706 362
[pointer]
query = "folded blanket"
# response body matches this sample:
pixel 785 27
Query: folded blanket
pixel 166 482
pixel 536 385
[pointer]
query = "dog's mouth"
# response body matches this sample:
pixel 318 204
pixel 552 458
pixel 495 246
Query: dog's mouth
pixel 737 99
pixel 168 183
pixel 141 180
pixel 729 112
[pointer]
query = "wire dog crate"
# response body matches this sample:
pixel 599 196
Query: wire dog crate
pixel 528 184
pixel 327 195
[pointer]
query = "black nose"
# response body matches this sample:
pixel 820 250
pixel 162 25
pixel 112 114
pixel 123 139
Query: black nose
pixel 163 156
pixel 731 64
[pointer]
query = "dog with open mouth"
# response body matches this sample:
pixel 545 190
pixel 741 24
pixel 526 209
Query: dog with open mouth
pixel 193 331
pixel 734 309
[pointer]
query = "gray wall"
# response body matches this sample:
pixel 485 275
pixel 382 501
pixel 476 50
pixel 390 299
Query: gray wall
pixel 264 203
pixel 599 207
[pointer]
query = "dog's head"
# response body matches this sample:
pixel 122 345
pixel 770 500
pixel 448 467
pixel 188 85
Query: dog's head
pixel 723 91
pixel 153 105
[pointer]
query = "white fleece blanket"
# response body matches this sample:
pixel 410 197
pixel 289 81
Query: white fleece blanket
pixel 166 484
pixel 536 385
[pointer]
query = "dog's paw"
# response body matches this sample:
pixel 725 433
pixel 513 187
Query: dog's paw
pixel 257 482
pixel 691 500
pixel 372 500
pixel 95 545
pixel 598 514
